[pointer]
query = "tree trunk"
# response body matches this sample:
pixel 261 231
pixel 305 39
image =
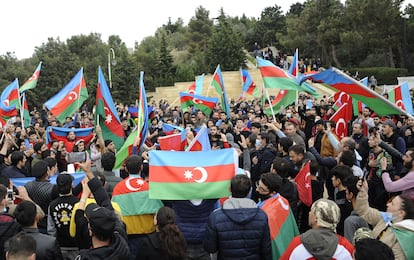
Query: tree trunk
pixel 390 57
pixel 334 57
pixel 325 56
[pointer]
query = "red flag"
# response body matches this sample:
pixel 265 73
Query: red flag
pixel 342 117
pixel 170 142
pixel 304 185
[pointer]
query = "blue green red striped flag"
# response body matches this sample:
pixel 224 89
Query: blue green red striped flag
pixel 191 175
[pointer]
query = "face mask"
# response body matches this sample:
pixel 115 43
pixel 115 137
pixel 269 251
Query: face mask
pixel 258 143
pixel 288 115
pixel 388 217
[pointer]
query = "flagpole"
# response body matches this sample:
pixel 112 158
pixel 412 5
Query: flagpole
pixel 271 107
pixel 371 91
pixel 80 87
pixel 23 96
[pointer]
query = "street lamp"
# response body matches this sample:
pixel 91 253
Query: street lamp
pixel 113 62
pixel 405 18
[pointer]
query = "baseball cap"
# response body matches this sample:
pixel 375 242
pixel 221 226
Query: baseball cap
pixel 101 220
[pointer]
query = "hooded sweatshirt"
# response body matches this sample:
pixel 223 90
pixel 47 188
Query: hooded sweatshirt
pixel 118 250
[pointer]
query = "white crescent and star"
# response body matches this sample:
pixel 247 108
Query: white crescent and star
pixel 400 104
pixel 72 95
pixel 6 102
pixel 307 186
pixel 108 115
pixel 139 182
pixel 188 174
pixel 197 101
pixel 341 121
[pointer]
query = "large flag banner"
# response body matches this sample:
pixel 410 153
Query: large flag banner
pixel 218 85
pixel 77 178
pixel 106 113
pixel 342 117
pixel 205 104
pixel 283 99
pixel 337 80
pixel 282 224
pixel 141 129
pixel 32 81
pixel 304 185
pixel 249 86
pixel 400 95
pixel 60 134
pixel 191 175
pixel 197 86
pixel 275 77
pixel 69 99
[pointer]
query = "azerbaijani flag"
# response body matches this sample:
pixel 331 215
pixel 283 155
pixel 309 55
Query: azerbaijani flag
pixel 106 114
pixel 294 67
pixel 282 223
pixel 191 175
pixel 197 86
pixel 400 95
pixel 60 133
pixel 170 129
pixel 205 104
pixel 9 102
pixel 283 99
pixel 69 99
pixel 218 85
pixel 275 77
pixel 337 80
pixel 249 86
pixel 25 113
pixel 141 129
pixel 32 81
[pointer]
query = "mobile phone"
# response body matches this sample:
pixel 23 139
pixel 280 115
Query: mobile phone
pixel 10 195
pixel 76 157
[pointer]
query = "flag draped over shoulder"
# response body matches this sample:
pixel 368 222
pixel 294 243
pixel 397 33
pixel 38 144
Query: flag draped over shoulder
pixel 32 81
pixel 337 80
pixel 191 175
pixel 400 95
pixel 304 185
pixel 275 77
pixel 283 99
pixel 218 85
pixel 141 128
pixel 205 104
pixel 108 117
pixel 69 99
pixel 282 224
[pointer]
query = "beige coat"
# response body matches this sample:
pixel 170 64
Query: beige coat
pixel 374 218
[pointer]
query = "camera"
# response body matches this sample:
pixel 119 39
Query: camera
pixel 76 157
pixel 10 195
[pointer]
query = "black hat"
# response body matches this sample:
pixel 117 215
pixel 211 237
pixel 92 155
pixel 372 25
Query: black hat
pixel 107 142
pixel 320 122
pixel 101 220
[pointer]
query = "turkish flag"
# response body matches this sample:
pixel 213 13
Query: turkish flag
pixel 170 142
pixel 342 117
pixel 304 185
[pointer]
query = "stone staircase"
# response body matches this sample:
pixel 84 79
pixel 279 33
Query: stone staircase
pixel 232 82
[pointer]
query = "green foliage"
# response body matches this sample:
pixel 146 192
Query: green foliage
pixel 384 75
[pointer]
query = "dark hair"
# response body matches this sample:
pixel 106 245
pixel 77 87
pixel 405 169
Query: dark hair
pixel 133 164
pixel 240 186
pixel 281 166
pixel 348 157
pixel 350 143
pixel 108 161
pixel 4 180
pixel 265 136
pixel 407 205
pixel 286 143
pixel 369 248
pixel 256 125
pixel 272 181
pixel 298 149
pixel 38 146
pixel 342 172
pixel 16 157
pixel 21 246
pixel 25 213
pixel 171 238
pixel 51 162
pixel 350 184
pixel 3 192
pixel 252 138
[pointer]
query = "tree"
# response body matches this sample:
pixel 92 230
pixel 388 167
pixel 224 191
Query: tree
pixel 166 69
pixel 272 21
pixel 225 46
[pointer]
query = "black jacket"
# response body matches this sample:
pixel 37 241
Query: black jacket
pixel 117 250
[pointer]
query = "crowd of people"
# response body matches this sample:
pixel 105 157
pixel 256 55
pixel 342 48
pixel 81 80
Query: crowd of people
pixel 362 188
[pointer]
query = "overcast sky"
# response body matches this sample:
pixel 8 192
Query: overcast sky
pixel 26 24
